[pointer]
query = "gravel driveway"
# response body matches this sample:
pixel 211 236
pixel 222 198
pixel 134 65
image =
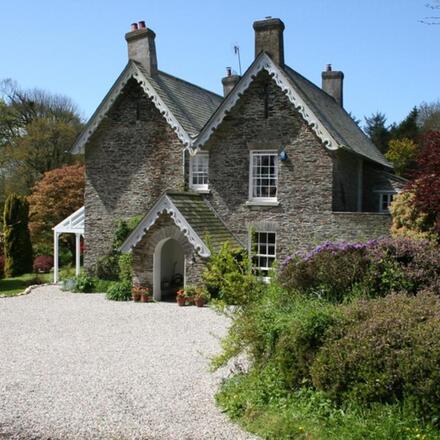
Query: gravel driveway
pixel 76 366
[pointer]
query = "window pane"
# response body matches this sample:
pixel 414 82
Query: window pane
pixel 264 175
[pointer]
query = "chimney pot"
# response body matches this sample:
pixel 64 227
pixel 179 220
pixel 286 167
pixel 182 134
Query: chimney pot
pixel 332 84
pixel 134 26
pixel 228 71
pixel 269 38
pixel 142 25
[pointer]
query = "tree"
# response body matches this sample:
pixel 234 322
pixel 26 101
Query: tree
pixel 401 153
pixel 426 184
pixel 429 116
pixel 378 131
pixel 36 131
pixel 17 240
pixel 408 128
pixel 407 220
pixel 434 5
pixel 58 194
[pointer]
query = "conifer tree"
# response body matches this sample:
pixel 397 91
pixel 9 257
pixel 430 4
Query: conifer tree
pixel 17 240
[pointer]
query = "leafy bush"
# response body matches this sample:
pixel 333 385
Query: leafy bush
pixel 119 291
pixel 107 268
pixel 387 350
pixel 43 264
pixel 229 278
pixel 338 271
pixel 402 265
pixel 125 263
pixel 329 271
pixel 17 240
pixel 84 284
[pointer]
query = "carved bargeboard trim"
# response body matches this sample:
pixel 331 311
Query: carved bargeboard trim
pixel 162 206
pixel 281 79
pixel 131 71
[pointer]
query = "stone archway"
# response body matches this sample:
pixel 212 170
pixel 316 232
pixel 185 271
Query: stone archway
pixel 147 254
pixel 168 269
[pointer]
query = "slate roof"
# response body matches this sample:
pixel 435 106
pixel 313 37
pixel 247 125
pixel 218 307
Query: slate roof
pixel 191 105
pixel 335 119
pixel 202 219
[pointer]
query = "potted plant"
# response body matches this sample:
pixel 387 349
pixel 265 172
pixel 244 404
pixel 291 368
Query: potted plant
pixel 181 297
pixel 145 295
pixel 136 292
pixel 200 297
pixel 140 293
pixel 190 292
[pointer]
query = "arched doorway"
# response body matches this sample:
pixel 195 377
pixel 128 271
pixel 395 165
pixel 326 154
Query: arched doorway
pixel 168 269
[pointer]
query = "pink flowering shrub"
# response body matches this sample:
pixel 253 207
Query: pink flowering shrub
pixel 43 264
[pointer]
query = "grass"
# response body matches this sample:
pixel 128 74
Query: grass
pixel 308 415
pixel 16 285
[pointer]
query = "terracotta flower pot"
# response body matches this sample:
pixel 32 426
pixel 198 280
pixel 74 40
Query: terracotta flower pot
pixel 145 298
pixel 136 297
pixel 200 302
pixel 181 301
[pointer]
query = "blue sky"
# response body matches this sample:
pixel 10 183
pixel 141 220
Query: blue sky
pixel 77 47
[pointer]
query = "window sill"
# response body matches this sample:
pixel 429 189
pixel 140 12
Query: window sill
pixel 201 191
pixel 262 203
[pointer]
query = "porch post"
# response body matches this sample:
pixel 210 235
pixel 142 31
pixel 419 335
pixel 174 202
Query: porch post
pixel 77 253
pixel 55 256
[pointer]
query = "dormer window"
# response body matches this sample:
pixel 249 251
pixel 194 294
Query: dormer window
pixel 198 171
pixel 263 177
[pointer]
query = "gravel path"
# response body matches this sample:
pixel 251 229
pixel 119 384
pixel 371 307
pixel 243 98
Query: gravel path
pixel 76 366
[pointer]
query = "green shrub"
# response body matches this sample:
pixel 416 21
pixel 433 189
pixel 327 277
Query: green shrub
pixel 387 350
pixel 84 284
pixel 329 271
pixel 17 239
pixel 229 278
pixel 120 291
pixel 125 263
pixel 123 230
pixel 107 268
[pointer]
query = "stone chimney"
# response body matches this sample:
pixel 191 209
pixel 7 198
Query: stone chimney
pixel 332 84
pixel 229 81
pixel 269 38
pixel 141 46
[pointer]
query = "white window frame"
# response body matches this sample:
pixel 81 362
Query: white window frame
pixel 255 253
pixel 388 194
pixel 262 200
pixel 192 161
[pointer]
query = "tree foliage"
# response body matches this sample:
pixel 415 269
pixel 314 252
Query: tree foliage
pixel 426 184
pixel 57 195
pixel 36 131
pixel 407 220
pixel 17 240
pixel 429 116
pixel 401 153
pixel 378 131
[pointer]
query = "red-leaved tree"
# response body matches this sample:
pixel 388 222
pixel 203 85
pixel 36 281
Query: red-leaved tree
pixel 58 194
pixel 426 184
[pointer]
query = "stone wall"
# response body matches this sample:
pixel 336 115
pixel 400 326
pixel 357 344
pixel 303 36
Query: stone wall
pixel 132 158
pixel 305 215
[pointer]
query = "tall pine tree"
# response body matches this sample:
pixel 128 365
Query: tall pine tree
pixel 378 131
pixel 17 239
pixel 408 128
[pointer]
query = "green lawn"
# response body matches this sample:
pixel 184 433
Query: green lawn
pixel 14 286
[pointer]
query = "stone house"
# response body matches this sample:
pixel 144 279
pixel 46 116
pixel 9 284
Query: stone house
pixel 276 156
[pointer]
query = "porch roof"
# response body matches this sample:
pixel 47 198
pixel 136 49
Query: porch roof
pixel 193 216
pixel 74 224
